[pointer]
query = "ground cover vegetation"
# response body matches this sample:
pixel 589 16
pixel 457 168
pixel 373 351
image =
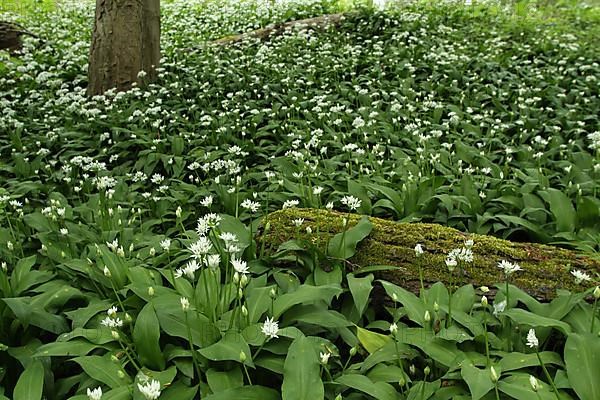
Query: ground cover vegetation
pixel 130 268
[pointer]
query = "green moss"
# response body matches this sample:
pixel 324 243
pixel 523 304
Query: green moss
pixel 545 268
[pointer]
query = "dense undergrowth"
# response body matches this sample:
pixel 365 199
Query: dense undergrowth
pixel 480 117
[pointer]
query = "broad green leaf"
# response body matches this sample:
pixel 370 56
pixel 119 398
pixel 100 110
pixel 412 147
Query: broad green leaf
pixel 517 386
pixel 562 209
pixel 426 388
pixel 415 309
pixel 246 393
pixel 230 348
pixel 582 358
pixel 379 390
pixel 360 289
pixel 442 351
pixel 478 380
pixel 305 294
pixel 28 314
pixel 103 369
pixel 512 361
pixel 319 316
pixel 371 341
pixel 30 383
pixel 343 245
pixel 525 317
pixel 301 372
pixel 72 348
pixel 258 301
pixel 219 381
pixel 179 391
pixel 146 337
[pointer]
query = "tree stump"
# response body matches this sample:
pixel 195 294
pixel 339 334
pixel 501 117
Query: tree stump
pixel 545 268
pixel 10 36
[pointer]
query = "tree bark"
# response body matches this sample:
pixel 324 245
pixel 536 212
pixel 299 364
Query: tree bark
pixel 125 41
pixel 545 268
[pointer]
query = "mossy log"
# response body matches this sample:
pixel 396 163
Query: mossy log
pixel 319 23
pixel 545 268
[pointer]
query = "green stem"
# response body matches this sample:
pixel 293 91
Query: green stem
pixel 485 335
pixel 554 389
pixel 190 340
pixel 594 309
pixel 496 390
pixel 247 374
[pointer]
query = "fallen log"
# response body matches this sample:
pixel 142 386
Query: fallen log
pixel 545 268
pixel 318 23
pixel 10 36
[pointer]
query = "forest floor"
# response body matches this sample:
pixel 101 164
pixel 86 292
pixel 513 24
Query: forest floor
pixel 128 220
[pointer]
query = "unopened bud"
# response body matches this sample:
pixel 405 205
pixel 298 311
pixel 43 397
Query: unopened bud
pixel 243 356
pixel 273 293
pixel 115 335
pixel 426 371
pixel 484 301
pixel 597 292
pixel 427 316
pixel 353 351
pixel 150 291
pixel 493 374
pixel 244 311
pixel 436 306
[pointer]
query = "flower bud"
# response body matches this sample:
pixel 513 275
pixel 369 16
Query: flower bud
pixel 534 383
pixel 412 369
pixel 150 291
pixel 115 334
pixel 597 292
pixel 178 212
pixel 236 278
pixel 240 293
pixel 339 397
pixel 484 289
pixel 244 311
pixel 427 316
pixel 114 358
pixel 244 280
pixel 128 318
pixel 107 272
pixel 436 306
pixel 121 374
pixel 243 356
pixel 484 301
pixel 353 351
pixel 272 293
pixel 152 251
pixel 426 371
pixel 493 374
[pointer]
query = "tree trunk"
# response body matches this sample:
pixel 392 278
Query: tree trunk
pixel 125 41
pixel 545 268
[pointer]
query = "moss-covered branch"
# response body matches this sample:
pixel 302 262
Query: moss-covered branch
pixel 545 268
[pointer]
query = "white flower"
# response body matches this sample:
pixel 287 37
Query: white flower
pixel 112 323
pixel 239 266
pixel 418 250
pixel 463 254
pixel 324 357
pixel 329 206
pixel 580 276
pixel 352 202
pixel 290 204
pixel 393 328
pixel 185 303
pixel 270 328
pixel 112 312
pixel 190 268
pixel 499 307
pixel 532 340
pixel 64 231
pixel 150 390
pixel 207 201
pixel 201 247
pixel 95 394
pixel 317 190
pixel 213 260
pixel 451 263
pixel 508 267
pixel 298 222
pixel 165 244
pixel 248 204
pixel 469 243
pixel 228 237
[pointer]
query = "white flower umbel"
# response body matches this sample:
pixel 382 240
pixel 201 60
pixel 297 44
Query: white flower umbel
pixel 419 250
pixel 499 307
pixel 270 328
pixel 532 340
pixel 580 276
pixel 324 357
pixel 150 390
pixel 94 394
pixel 508 267
pixel 351 202
pixel 240 266
pixel 185 303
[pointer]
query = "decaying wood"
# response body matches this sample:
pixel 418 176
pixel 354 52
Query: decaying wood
pixel 10 36
pixel 545 268
pixel 318 23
